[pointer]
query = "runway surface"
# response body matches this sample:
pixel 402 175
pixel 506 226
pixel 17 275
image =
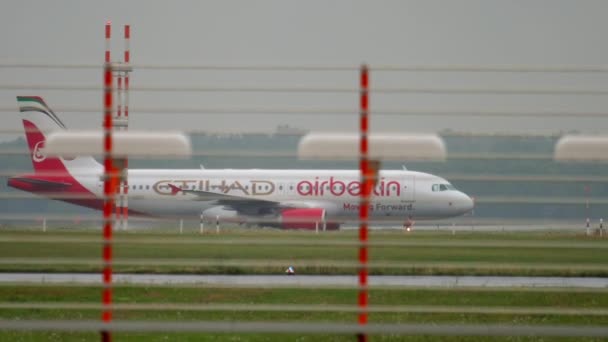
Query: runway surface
pixel 310 280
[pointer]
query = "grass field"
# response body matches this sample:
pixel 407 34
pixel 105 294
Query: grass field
pixel 237 251
pixel 418 306
pixel 270 251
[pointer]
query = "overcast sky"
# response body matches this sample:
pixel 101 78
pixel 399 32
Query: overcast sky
pixel 312 32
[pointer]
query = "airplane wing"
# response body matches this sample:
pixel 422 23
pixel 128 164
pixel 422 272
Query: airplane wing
pixel 283 214
pixel 233 202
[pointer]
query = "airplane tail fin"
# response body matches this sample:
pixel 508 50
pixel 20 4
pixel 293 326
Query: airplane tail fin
pixel 38 121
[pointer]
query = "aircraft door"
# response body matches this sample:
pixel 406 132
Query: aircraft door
pixel 408 188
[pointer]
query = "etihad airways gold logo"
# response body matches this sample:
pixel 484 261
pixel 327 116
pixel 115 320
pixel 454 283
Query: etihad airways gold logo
pixel 251 188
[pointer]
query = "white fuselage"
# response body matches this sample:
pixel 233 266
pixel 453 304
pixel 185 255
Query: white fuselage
pixel 398 194
pixel 286 195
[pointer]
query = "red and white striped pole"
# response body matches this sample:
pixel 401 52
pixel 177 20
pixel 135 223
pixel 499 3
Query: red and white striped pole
pixel 127 60
pixel 108 36
pixel 364 167
pixel 122 210
pixel 109 190
pixel 127 43
pixel 119 200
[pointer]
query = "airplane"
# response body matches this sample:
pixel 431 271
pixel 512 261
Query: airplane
pixel 287 199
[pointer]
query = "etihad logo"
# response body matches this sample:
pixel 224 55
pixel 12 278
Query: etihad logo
pixel 251 188
pixel 37 154
pixel 259 187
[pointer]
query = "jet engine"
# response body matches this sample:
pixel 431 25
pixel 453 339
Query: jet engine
pixel 305 218
pixel 221 214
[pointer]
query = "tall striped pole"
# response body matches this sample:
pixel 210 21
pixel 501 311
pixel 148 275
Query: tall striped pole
pixel 109 190
pixel 363 199
pixel 119 201
pixel 125 173
pixel 127 57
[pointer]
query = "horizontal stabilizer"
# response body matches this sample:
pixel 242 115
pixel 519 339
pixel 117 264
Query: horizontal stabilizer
pixel 41 183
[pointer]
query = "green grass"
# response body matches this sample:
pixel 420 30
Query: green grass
pixel 237 251
pixel 30 337
pixel 558 299
pixel 154 294
pixel 436 252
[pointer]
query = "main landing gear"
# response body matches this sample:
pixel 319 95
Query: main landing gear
pixel 408 225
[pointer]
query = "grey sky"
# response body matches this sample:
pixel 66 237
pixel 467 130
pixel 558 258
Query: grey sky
pixel 310 33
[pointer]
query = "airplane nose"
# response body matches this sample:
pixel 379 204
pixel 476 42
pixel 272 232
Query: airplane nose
pixel 468 203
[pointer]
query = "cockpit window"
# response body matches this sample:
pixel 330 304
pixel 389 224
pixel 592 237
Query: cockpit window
pixel 443 187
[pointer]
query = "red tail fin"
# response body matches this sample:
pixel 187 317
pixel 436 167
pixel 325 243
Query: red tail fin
pixel 38 121
pixel 35 140
pixel 53 176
